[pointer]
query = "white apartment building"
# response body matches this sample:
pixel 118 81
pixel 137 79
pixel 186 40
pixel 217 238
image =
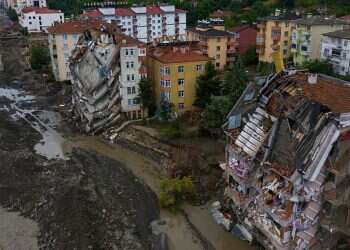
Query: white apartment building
pixel 133 69
pixel 63 38
pixel 37 19
pixel 18 5
pixel 163 22
pixel 336 49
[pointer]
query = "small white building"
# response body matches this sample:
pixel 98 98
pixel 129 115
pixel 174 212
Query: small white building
pixel 37 19
pixel 146 23
pixel 133 69
pixel 336 49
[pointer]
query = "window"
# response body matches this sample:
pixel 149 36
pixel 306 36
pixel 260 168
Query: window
pixel 158 21
pixel 130 102
pixel 129 90
pixel 126 52
pixel 217 65
pixel 180 69
pixel 130 65
pixel 30 17
pixel 181 105
pixel 142 52
pixel 33 17
pixel 165 71
pixel 326 52
pixel 165 96
pixel 132 77
pixel 133 90
pixel 199 67
pixel 218 48
pixel 30 22
pixel 217 56
pixel 181 93
pixel 136 101
pixel 286 34
pixel 131 52
pixel 181 81
pixel 65 36
pixel 285 43
pixel 285 52
pixel 165 83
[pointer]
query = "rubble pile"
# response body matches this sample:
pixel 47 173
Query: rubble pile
pixel 285 134
pixel 95 71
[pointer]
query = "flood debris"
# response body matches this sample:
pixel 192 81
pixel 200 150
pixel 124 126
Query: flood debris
pixel 95 70
pixel 285 175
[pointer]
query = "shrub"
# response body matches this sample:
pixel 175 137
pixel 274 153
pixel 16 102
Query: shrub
pixel 12 14
pixel 39 57
pixel 174 191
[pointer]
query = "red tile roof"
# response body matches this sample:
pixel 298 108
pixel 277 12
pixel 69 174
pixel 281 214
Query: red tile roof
pixel 124 12
pixel 240 28
pixel 333 93
pixel 78 26
pixel 92 14
pixel 172 54
pixel 40 10
pixel 127 41
pixel 154 10
pixel 180 11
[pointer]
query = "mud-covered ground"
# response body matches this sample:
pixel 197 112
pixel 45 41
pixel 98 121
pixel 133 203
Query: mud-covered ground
pixel 86 201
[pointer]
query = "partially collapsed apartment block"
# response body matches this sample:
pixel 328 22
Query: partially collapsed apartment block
pixel 95 68
pixel 287 167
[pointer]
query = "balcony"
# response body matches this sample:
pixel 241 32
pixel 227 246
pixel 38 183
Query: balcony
pixel 276 33
pixel 261 26
pixel 260 39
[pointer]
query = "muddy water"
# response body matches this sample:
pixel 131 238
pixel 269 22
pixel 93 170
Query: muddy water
pixel 180 235
pixel 54 145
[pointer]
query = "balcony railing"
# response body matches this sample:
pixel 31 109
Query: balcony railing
pixel 260 39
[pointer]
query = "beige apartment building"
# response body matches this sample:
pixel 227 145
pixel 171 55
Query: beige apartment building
pixel 216 43
pixel 62 40
pixel 275 35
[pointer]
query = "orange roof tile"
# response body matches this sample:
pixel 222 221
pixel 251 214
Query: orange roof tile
pixel 333 93
pixel 92 14
pixel 154 10
pixel 40 10
pixel 128 40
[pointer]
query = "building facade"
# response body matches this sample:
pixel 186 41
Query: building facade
pixel 174 70
pixel 287 156
pixel 62 41
pixel 37 19
pixel 335 48
pixel 306 38
pixel 245 37
pixel 147 23
pixel 215 42
pixel 18 5
pixel 275 35
pixel 133 69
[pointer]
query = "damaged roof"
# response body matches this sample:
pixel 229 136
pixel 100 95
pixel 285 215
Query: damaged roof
pixel 299 126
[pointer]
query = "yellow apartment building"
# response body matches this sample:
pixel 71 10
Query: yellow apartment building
pixel 174 70
pixel 275 35
pixel 215 42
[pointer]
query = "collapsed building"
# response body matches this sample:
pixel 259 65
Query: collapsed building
pixel 95 71
pixel 287 160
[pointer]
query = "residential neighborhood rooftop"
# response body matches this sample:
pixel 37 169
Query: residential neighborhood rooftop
pixel 177 54
pixel 321 20
pixel 343 34
pixel 76 26
pixel 40 10
pixel 211 32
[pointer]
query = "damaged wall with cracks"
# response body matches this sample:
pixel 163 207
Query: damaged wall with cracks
pixel 95 73
pixel 282 136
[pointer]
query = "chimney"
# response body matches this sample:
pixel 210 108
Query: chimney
pixel 312 78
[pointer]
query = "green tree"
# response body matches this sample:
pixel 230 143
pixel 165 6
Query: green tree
pixel 319 66
pixel 235 81
pixel 174 191
pixel 12 14
pixel 39 57
pixel 69 7
pixel 146 96
pixel 208 84
pixel 215 113
pixel 250 57
pixel 165 108
pixel 306 3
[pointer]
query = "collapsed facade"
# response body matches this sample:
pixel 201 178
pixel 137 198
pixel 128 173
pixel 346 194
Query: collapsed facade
pixel 95 71
pixel 287 167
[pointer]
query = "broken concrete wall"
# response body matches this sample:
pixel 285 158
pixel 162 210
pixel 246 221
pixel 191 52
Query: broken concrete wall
pixel 95 69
